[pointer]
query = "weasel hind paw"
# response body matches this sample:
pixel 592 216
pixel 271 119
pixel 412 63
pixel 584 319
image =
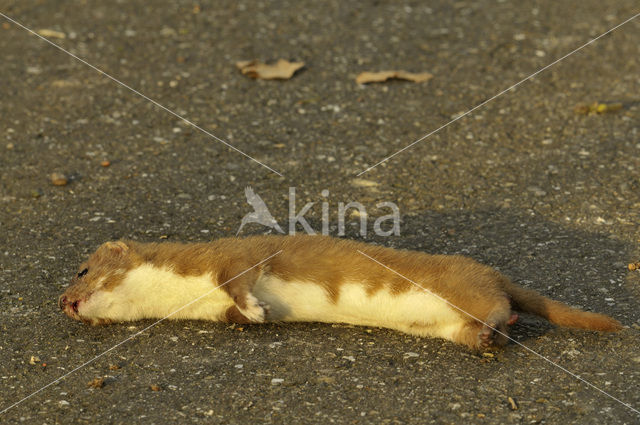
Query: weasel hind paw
pixel 486 336
pixel 492 335
pixel 256 311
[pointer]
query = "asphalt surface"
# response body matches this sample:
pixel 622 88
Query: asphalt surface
pixel 548 196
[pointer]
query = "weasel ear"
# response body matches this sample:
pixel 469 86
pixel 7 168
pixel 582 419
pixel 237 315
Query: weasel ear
pixel 117 247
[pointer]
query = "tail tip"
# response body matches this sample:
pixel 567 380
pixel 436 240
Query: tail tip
pixel 608 324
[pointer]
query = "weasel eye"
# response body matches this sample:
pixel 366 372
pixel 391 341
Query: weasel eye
pixel 83 272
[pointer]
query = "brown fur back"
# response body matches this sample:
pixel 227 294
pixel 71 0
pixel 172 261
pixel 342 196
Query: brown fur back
pixel 330 262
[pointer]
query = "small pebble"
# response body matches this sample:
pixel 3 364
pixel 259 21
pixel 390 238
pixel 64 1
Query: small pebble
pixel 277 381
pixel 59 179
pixel 327 380
pixel 537 191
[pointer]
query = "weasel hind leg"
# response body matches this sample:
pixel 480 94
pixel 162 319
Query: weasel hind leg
pixel 247 308
pixel 492 332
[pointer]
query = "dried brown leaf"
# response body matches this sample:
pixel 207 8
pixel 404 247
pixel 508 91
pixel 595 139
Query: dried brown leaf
pixel 281 70
pixel 45 32
pixel 96 383
pixel 65 83
pixel 364 183
pixel 597 108
pixel 379 77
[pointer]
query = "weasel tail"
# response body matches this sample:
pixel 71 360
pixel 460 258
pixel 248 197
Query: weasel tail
pixel 529 301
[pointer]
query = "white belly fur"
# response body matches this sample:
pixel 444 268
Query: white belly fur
pixel 151 292
pixel 414 311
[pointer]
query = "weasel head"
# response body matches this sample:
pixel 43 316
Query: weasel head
pixel 102 272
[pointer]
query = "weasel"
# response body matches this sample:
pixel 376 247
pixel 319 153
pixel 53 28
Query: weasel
pixel 309 278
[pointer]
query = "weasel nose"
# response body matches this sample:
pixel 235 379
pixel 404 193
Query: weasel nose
pixel 62 301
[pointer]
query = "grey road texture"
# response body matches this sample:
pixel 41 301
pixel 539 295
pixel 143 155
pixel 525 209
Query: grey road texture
pixel 542 182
